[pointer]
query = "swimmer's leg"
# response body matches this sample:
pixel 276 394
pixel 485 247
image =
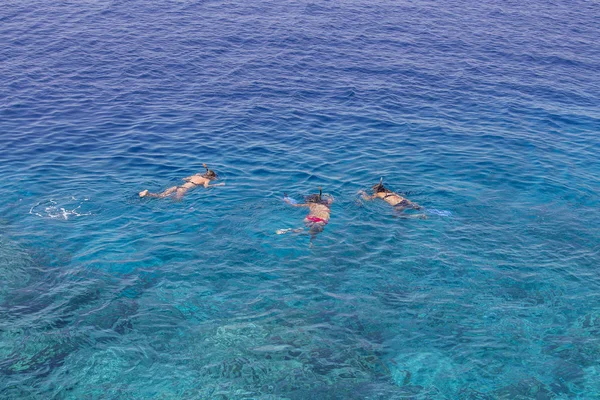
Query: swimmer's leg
pixel 399 213
pixel 313 236
pixel 168 192
pixel 314 229
pixel 289 230
pixel 413 216
pixel 180 192
pixel 398 210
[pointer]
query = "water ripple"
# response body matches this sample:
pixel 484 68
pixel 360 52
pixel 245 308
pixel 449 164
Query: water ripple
pixel 484 113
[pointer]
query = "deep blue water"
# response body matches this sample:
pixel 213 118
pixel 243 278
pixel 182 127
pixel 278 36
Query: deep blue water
pixel 487 110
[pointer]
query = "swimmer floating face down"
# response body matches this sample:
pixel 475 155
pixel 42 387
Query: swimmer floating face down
pixel 318 214
pixel 394 199
pixel 199 179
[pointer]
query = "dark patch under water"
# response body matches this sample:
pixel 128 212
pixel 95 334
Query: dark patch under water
pixel 485 114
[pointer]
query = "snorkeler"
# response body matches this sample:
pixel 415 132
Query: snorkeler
pixel 190 183
pixel 394 199
pixel 318 215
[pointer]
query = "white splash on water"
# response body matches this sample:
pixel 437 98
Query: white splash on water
pixel 52 209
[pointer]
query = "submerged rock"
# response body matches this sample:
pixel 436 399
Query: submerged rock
pixel 529 388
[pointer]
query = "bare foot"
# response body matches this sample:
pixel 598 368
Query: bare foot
pixel 143 193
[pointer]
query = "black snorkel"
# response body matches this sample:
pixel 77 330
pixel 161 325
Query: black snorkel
pixel 209 174
pixel 379 187
pixel 322 201
pixel 316 198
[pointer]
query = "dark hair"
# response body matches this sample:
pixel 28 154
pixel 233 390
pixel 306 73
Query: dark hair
pixel 209 174
pixel 316 198
pixel 379 188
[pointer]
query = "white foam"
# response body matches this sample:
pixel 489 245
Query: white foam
pixel 441 213
pixel 53 210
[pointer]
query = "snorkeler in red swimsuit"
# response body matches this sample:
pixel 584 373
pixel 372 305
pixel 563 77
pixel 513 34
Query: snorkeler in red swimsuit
pixel 318 215
pixel 314 219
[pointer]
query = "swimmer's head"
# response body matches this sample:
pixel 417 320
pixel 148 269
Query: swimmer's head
pixel 314 198
pixel 379 188
pixel 209 174
pixel 318 198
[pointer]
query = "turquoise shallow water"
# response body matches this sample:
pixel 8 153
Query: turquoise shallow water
pixel 488 112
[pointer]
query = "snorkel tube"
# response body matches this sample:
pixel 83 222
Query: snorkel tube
pixel 319 198
pixel 326 200
pixel 209 174
pixel 379 187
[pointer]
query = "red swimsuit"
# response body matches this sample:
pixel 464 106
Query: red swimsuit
pixel 316 219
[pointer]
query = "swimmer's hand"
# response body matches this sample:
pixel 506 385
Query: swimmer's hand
pixel 365 196
pixel 289 200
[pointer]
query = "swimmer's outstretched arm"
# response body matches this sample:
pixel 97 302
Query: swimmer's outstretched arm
pixel 206 184
pixel 365 196
pixel 297 205
pixel 293 202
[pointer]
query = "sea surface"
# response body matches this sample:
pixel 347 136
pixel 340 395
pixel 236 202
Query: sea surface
pixel 485 113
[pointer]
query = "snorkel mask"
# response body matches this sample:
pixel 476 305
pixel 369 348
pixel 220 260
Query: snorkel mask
pixel 379 187
pixel 209 174
pixel 318 198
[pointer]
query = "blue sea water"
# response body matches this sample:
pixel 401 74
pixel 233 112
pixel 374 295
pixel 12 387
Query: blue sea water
pixel 486 113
